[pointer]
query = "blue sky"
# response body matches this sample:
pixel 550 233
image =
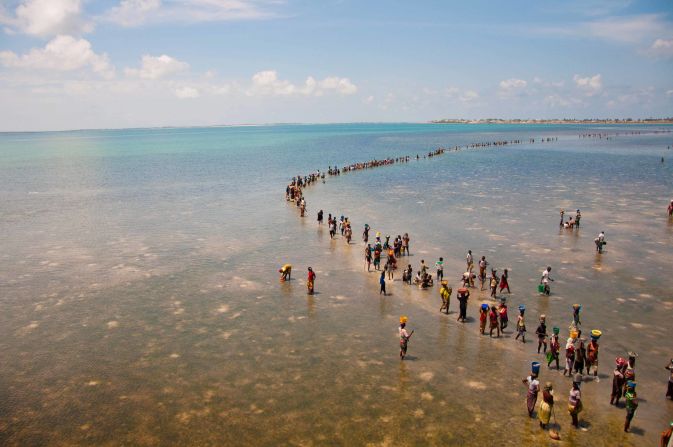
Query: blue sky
pixel 68 64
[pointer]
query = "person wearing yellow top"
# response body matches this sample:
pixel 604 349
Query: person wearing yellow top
pixel 445 293
pixel 285 272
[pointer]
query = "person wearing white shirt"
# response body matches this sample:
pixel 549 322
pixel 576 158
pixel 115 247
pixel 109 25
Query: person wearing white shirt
pixel 545 280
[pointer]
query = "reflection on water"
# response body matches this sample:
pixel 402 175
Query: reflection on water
pixel 141 303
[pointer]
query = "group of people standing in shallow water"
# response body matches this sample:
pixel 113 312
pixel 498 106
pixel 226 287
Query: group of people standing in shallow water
pixel 579 355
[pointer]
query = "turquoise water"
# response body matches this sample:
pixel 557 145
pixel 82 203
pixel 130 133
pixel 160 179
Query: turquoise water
pixel 141 303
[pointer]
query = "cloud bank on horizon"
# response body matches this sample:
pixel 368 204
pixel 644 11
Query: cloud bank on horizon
pixel 71 64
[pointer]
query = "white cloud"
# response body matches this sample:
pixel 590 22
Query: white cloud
pixel 46 18
pixel 63 53
pixel 461 95
pixel 511 84
pixel 662 47
pixel 629 29
pixel 132 12
pixel 340 85
pixel 590 85
pixel 155 67
pixel 510 88
pixel 267 83
pixel 137 12
pixel 451 91
pixel 187 92
pixel 468 96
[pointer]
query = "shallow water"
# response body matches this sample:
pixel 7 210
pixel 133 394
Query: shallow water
pixel 141 303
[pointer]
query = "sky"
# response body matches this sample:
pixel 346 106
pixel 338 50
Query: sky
pixel 78 64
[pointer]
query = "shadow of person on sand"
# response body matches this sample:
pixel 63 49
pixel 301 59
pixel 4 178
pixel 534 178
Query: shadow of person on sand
pixel 637 431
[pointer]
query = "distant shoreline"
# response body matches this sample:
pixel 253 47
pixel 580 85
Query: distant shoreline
pixel 444 121
pixel 555 121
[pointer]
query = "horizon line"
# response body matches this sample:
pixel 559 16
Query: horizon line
pixel 667 120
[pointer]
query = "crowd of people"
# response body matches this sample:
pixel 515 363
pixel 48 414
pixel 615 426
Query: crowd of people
pixel 581 354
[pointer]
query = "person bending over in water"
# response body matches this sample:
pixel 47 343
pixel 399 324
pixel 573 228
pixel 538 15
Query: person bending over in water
pixel 285 272
pixel 600 242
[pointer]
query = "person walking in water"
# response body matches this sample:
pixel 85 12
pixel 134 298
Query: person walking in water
pixel 546 406
pixel 470 259
pixel 578 216
pixel 521 324
pixel 483 316
pixel 600 242
pixel 541 333
pixel 404 337
pixel 320 214
pixel 482 272
pixel 377 258
pixel 494 283
pixel 554 349
pixel 405 244
pixel 440 269
pixel 562 214
pixel 310 281
pixel 631 404
pixel 533 385
pixel 463 297
pixel 544 280
pixel 575 400
pixel 502 311
pixel 617 381
pixel 493 319
pixel 592 355
pixel 445 293
pixel 390 268
pixel 670 209
pixel 365 234
pixel 382 282
pixel 368 256
pixel 504 281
